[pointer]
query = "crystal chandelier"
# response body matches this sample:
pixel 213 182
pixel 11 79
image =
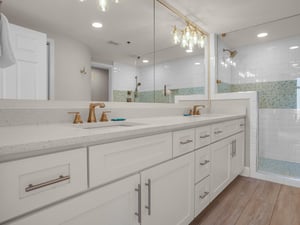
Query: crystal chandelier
pixel 189 37
pixel 103 4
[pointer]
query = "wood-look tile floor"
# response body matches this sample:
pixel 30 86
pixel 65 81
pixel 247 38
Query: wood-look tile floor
pixel 248 201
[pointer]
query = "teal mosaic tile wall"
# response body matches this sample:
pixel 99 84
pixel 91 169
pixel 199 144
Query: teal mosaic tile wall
pixel 119 96
pixel 277 95
pixel 158 96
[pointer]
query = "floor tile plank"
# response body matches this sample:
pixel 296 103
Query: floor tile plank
pixel 287 207
pixel 260 207
pixel 228 206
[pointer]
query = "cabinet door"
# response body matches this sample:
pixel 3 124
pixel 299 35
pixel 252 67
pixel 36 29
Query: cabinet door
pixel 168 193
pixel 114 204
pixel 28 78
pixel 237 154
pixel 220 166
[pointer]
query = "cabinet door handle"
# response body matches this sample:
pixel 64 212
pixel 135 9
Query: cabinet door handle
pixel 204 195
pixel 139 213
pixel 204 163
pixel 218 132
pixel 242 125
pixel 148 184
pixel 32 187
pixel 205 136
pixel 233 149
pixel 186 142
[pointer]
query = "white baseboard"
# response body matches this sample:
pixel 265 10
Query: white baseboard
pixel 246 172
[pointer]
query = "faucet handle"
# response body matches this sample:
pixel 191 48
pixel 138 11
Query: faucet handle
pixel 77 118
pixel 104 116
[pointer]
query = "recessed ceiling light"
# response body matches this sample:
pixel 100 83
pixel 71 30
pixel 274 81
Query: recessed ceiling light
pixel 197 63
pixel 145 61
pixel 294 47
pixel 189 51
pixel 262 35
pixel 97 25
pixel 82 0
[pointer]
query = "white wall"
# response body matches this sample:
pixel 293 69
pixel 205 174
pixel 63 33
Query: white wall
pixel 271 61
pixel 180 73
pixel 70 57
pixel 279 134
pixel 123 76
pixel 223 67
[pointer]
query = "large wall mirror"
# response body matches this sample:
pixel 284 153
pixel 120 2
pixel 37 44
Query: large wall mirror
pixel 120 51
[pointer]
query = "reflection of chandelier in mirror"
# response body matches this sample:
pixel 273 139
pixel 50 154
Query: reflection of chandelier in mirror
pixel 104 4
pixel 189 37
pixel 192 35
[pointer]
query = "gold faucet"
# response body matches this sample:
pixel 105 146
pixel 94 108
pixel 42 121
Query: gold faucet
pixel 92 116
pixel 196 111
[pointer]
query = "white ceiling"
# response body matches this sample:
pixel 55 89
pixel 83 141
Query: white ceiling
pixel 223 16
pixel 132 20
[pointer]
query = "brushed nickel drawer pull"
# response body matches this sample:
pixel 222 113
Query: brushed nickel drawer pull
pixel 218 132
pixel 32 187
pixel 205 136
pixel 148 207
pixel 186 142
pixel 139 213
pixel 204 163
pixel 204 195
pixel 242 125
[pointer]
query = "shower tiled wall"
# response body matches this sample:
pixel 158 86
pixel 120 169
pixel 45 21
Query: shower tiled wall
pixel 273 70
pixel 158 95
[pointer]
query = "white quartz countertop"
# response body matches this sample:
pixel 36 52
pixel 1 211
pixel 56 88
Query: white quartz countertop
pixel 31 140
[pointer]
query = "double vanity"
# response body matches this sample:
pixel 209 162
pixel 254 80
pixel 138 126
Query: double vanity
pixel 150 171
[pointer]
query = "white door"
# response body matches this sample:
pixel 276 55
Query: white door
pixel 220 166
pixel 28 79
pixel 237 154
pixel 168 193
pixel 114 204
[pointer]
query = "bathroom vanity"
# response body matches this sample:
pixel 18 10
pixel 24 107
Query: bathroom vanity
pixel 161 171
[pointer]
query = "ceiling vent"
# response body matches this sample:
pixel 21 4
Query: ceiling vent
pixel 113 43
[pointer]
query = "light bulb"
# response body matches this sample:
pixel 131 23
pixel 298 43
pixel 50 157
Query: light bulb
pixel 191 45
pixel 176 36
pixel 103 5
pixel 195 37
pixel 188 32
pixel 117 1
pixel 201 42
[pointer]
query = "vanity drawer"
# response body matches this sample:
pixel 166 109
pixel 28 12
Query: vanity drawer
pixel 202 191
pixel 202 163
pixel 202 136
pixel 111 161
pixel 225 129
pixel 183 142
pixel 31 183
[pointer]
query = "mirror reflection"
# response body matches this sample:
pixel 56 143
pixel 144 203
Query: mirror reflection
pixel 109 52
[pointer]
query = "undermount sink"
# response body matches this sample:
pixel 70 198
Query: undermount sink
pixel 208 115
pixel 108 124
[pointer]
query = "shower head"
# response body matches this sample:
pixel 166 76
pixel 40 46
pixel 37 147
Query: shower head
pixel 232 54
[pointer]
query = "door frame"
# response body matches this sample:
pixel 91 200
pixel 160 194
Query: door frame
pixel 51 68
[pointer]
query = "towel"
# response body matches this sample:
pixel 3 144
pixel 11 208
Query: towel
pixel 7 56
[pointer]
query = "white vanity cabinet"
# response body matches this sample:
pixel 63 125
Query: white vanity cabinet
pixel 168 192
pixel 114 204
pixel 227 162
pixel 163 196
pixel 31 183
pixel 162 179
pixel 115 160
pixel 237 154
